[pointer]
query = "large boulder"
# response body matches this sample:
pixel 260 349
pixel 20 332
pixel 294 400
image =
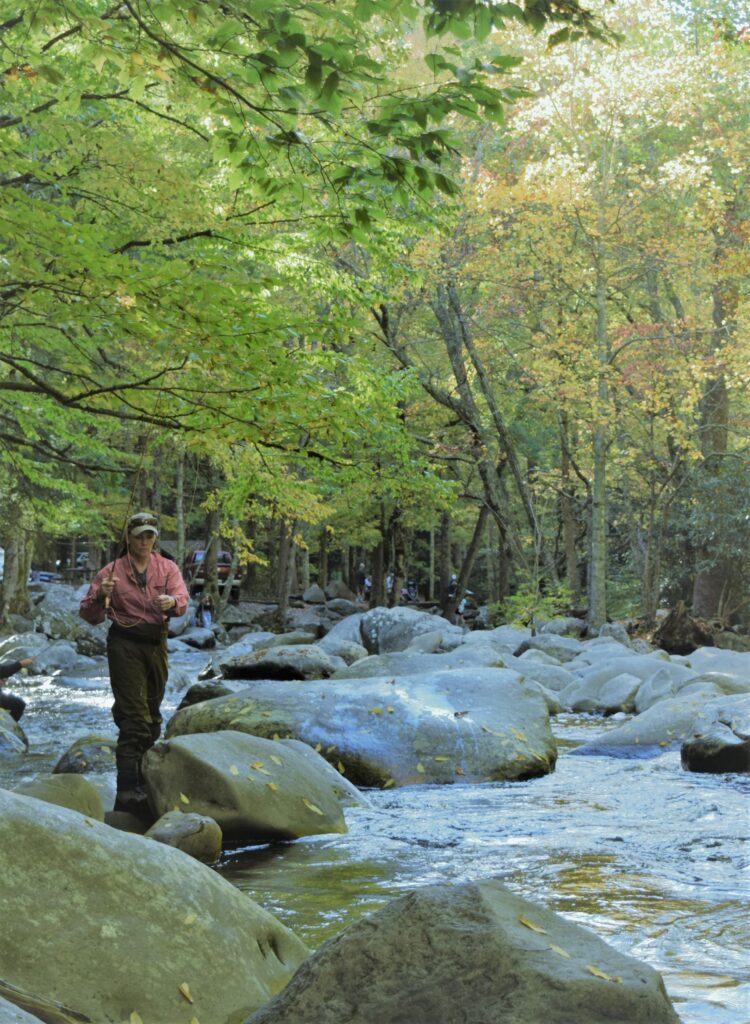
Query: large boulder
pixel 294 661
pixel 12 737
pixel 721 737
pixel 255 789
pixel 471 725
pixel 561 648
pixel 72 791
pixel 393 629
pixel 664 726
pixel 411 662
pixel 113 925
pixel 90 753
pixel 474 953
pixel 195 834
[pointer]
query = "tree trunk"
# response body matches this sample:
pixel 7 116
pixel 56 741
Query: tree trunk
pixel 18 550
pixel 567 514
pixel 179 508
pixel 597 613
pixel 323 558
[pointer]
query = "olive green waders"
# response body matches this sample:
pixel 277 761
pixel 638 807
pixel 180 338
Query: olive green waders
pixel 138 674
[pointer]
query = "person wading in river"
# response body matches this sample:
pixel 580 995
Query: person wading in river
pixel 137 592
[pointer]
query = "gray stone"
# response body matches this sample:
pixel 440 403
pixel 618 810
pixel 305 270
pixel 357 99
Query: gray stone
pixel 426 643
pixel 13 739
pixel 562 648
pixel 71 791
pixel 337 588
pixel 474 953
pixel 721 737
pixel 297 661
pixel 665 725
pixel 618 694
pixel 667 681
pixel 474 724
pixel 88 754
pixel 570 626
pixel 341 606
pixel 392 629
pixel 12 1014
pixel 113 924
pixel 617 631
pixel 207 690
pixel 195 834
pixel 347 629
pixel 344 649
pixel 314 595
pixel 198 637
pixel 255 789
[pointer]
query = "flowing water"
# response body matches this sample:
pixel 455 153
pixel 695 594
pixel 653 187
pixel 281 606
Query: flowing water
pixel 654 859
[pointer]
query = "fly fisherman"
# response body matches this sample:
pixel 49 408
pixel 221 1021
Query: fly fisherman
pixel 137 592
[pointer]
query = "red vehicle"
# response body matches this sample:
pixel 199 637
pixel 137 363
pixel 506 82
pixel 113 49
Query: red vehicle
pixel 194 574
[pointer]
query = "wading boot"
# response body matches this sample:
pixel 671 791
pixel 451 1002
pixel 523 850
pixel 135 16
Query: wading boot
pixel 131 796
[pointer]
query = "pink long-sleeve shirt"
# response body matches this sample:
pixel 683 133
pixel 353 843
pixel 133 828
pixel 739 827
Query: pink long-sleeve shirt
pixel 129 604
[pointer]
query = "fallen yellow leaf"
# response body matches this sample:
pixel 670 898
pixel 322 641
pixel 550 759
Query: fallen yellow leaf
pixel 330 750
pixel 276 760
pixel 390 709
pixel 389 783
pixel 441 757
pixel 311 805
pixel 530 924
pixel 190 919
pixel 318 747
pixel 376 711
pixel 257 764
pixel 601 974
pixel 234 769
pixel 560 951
pixel 341 768
pixel 184 799
pixel 184 990
pixel 420 768
pixel 276 736
pixel 135 1018
pixel 459 770
pixel 272 785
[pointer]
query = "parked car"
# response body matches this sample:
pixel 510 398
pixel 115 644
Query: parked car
pixel 194 570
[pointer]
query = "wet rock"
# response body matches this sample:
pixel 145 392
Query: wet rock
pixel 207 690
pixel 10 1013
pixel 13 739
pixel 412 662
pixel 474 953
pixel 90 753
pixel 71 791
pixel 113 924
pixel 197 835
pixel 664 726
pixel 255 789
pixel 199 637
pixel 472 725
pixel 668 680
pixel 298 637
pixel 297 661
pixel 393 629
pixel 721 737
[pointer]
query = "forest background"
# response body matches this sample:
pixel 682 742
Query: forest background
pixel 441 287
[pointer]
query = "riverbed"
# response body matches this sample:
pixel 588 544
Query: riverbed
pixel 654 859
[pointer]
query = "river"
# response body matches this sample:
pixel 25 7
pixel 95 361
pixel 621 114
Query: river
pixel 654 859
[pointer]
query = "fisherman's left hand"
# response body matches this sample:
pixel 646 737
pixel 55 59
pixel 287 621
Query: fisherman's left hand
pixel 166 601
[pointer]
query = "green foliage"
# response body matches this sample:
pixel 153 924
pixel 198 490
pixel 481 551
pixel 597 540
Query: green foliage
pixel 530 607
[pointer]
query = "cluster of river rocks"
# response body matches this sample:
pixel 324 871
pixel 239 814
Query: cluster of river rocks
pixel 278 737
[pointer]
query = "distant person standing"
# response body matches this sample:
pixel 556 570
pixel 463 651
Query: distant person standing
pixel 9 701
pixel 360 580
pixel 205 611
pixel 137 592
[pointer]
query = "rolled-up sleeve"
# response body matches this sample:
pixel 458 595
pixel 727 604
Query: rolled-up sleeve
pixel 176 588
pixel 91 607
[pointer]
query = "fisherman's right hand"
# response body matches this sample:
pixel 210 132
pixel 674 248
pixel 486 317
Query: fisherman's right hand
pixel 108 585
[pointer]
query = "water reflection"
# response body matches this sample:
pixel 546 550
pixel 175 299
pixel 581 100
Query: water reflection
pixel 652 858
